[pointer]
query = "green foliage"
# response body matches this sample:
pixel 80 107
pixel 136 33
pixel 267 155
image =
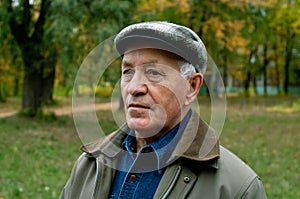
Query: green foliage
pixel 10 58
pixel 104 90
pixel 76 38
pixel 56 32
pixel 165 10
pixel 236 33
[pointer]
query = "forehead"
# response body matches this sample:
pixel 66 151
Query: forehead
pixel 150 55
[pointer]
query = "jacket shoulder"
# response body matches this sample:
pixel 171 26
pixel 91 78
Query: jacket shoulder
pixel 227 177
pixel 229 162
pixel 235 179
pixel 240 178
pixel 83 169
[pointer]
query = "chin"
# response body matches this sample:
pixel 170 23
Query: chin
pixel 144 127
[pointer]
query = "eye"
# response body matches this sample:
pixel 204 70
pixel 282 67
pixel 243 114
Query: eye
pixel 154 75
pixel 127 74
pixel 153 72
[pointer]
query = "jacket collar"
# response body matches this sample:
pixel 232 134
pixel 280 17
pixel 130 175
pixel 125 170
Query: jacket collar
pixel 199 142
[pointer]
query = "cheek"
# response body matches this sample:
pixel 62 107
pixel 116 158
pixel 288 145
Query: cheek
pixel 168 102
pixel 171 96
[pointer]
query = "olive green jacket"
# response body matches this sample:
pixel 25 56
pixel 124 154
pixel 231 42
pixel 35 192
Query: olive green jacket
pixel 199 168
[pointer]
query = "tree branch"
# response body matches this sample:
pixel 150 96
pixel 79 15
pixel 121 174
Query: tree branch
pixel 19 30
pixel 39 25
pixel 26 16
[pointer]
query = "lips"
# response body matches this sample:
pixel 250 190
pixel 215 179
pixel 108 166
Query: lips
pixel 138 105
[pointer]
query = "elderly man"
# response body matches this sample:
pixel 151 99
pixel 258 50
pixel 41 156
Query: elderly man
pixel 165 150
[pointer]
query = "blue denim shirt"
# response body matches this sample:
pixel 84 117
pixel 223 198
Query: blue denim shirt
pixel 139 174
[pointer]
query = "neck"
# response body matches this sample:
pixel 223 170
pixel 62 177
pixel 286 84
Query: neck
pixel 142 141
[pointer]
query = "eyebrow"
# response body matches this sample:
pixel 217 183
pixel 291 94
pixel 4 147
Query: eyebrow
pixel 129 64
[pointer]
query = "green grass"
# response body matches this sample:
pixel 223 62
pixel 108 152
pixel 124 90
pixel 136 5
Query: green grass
pixel 267 138
pixel 36 156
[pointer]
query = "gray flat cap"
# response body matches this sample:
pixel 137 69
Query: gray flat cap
pixel 167 36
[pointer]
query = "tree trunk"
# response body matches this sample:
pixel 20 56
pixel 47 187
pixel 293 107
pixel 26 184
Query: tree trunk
pixel 288 57
pixel 32 46
pixel 255 86
pixel 277 73
pixel 16 86
pixel 38 82
pixel 225 72
pixel 37 86
pixel 48 76
pixel 265 65
pixel 277 78
pixel 2 93
pixel 31 99
pixel 48 85
pixel 247 83
pixel 248 71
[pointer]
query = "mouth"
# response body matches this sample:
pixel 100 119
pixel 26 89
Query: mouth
pixel 135 105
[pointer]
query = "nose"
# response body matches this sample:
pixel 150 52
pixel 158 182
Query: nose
pixel 137 85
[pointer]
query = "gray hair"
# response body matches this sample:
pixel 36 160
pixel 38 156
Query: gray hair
pixel 186 69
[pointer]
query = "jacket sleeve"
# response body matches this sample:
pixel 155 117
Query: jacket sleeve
pixel 65 193
pixel 255 190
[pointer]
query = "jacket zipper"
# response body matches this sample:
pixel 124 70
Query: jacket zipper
pixel 96 182
pixel 172 183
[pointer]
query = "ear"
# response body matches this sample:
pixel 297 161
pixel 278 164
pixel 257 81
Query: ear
pixel 195 82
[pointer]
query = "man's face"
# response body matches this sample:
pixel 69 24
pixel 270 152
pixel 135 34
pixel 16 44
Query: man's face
pixel 153 91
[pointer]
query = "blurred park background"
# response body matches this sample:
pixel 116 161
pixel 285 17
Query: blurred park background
pixel 254 43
